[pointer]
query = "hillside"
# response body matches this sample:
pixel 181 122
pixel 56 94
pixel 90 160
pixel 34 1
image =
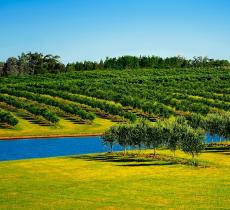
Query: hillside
pixel 91 101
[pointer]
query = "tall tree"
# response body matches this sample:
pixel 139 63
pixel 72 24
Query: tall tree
pixel 11 67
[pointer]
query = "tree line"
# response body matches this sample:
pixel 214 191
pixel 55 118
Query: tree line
pixel 37 63
pixel 135 62
pixel 184 134
pixel 176 135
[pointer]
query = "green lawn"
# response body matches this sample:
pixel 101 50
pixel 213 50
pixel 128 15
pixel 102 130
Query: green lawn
pixel 63 128
pixel 99 182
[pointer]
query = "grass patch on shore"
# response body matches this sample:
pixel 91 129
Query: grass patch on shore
pixel 105 181
pixel 64 127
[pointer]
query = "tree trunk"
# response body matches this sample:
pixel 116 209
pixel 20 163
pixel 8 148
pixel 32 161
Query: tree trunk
pixel 139 146
pixel 219 138
pixel 111 148
pixel 125 151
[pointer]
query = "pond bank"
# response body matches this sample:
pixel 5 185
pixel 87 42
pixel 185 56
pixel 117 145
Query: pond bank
pixel 50 136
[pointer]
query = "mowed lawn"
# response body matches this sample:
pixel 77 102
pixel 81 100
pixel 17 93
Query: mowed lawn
pixel 99 182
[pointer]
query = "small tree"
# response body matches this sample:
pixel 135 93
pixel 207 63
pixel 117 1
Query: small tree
pixel 110 138
pixel 154 137
pixel 124 136
pixel 138 134
pixel 177 132
pixel 193 142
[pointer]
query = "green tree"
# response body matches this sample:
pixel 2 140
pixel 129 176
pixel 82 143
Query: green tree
pixel 109 138
pixel 193 142
pixel 177 132
pixel 124 133
pixel 11 67
pixel 154 137
pixel 139 134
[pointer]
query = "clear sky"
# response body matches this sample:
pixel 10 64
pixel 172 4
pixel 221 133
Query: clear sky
pixel 94 29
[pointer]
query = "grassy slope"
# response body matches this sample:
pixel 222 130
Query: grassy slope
pixel 88 182
pixel 64 127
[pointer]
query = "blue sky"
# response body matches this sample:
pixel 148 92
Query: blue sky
pixel 94 29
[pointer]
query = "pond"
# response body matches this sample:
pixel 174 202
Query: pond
pixel 52 147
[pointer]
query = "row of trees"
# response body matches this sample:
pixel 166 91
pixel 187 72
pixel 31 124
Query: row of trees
pixel 67 107
pixel 32 108
pixel 154 107
pixel 176 135
pixel 37 63
pixel 109 107
pixel 7 117
pixel 134 62
pixel 211 103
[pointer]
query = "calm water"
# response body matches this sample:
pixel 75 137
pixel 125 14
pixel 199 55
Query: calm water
pixel 52 147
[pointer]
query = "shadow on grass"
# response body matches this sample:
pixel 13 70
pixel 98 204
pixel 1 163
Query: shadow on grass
pixel 221 150
pixel 156 163
pixel 126 161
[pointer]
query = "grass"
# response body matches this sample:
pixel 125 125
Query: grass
pixel 101 181
pixel 64 127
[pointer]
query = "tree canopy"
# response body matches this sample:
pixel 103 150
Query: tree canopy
pixel 37 63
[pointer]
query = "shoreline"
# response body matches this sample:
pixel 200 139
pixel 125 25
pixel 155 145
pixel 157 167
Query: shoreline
pixel 49 136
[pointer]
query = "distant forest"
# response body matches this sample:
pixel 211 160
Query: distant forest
pixel 37 63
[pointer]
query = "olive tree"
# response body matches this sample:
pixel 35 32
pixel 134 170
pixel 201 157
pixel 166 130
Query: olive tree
pixel 193 142
pixel 177 132
pixel 124 133
pixel 139 134
pixel 154 137
pixel 109 138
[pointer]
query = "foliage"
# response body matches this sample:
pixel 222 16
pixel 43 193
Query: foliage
pixel 34 109
pixel 192 143
pixel 154 137
pixel 109 107
pixel 7 117
pixel 110 137
pixel 67 107
pixel 152 94
pixel 175 135
pixel 37 63
pixel 133 62
pixel 32 64
pixel 139 134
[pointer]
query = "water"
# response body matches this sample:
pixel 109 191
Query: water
pixel 50 147
pixel 215 138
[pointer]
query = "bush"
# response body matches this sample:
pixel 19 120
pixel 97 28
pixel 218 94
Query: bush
pixel 7 117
